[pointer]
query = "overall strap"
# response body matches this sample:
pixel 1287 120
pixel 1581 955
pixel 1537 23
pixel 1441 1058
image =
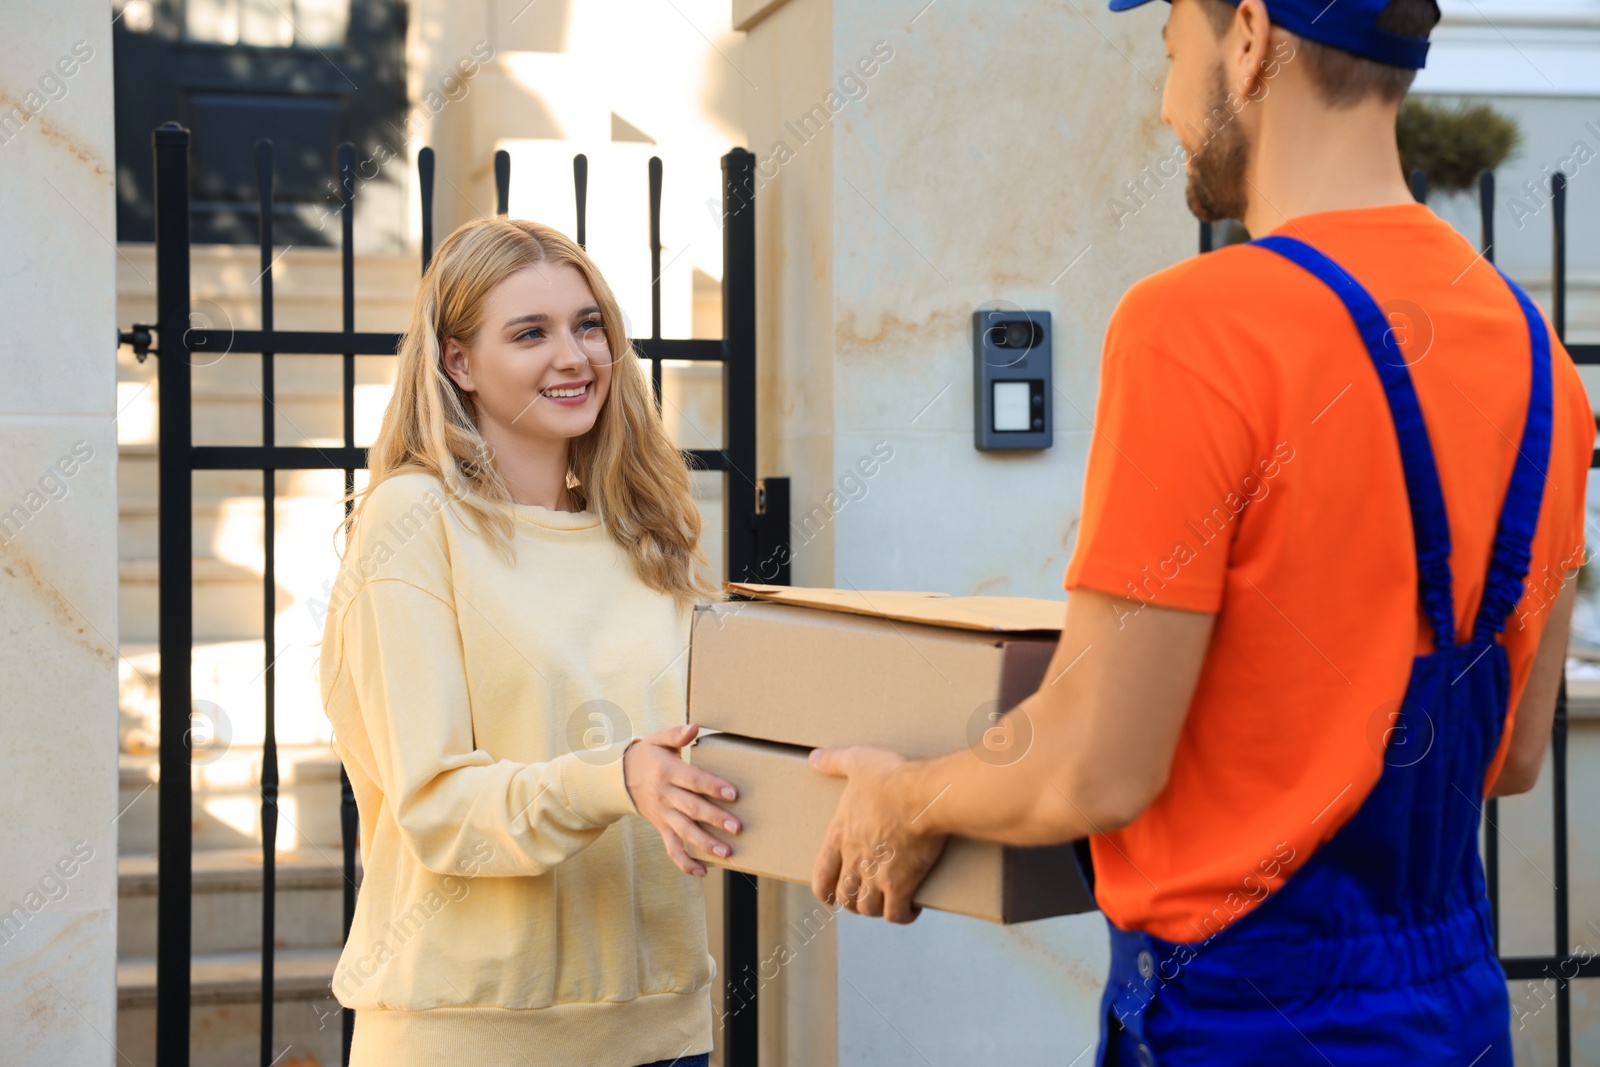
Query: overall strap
pixel 1429 522
pixel 1519 515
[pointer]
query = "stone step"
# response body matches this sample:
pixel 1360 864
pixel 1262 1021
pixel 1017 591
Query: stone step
pixel 225 1010
pixel 229 528
pixel 227 899
pixel 238 374
pixel 139 524
pixel 227 801
pixel 300 420
pixel 306 286
pixel 138 477
pixel 227 680
pixel 227 600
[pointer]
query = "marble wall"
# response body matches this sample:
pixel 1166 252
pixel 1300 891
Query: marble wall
pixel 58 522
pixel 967 158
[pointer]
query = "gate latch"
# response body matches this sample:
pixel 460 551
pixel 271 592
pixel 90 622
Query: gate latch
pixel 140 338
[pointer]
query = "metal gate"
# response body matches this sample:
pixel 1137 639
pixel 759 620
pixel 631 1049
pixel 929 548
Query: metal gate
pixel 1561 966
pixel 756 529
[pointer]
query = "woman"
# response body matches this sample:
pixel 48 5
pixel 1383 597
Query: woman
pixel 505 664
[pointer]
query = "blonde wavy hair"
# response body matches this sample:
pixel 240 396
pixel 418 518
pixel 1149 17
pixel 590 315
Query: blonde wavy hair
pixel 625 468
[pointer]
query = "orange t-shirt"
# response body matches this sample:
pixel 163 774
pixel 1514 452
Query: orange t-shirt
pixel 1244 462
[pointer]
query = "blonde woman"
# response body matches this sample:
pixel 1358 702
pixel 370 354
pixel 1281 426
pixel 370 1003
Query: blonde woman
pixel 505 663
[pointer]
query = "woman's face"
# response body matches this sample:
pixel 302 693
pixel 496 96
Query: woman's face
pixel 540 367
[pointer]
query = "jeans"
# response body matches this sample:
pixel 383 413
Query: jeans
pixel 683 1061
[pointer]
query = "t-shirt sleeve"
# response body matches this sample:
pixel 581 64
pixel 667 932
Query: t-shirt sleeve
pixel 1172 464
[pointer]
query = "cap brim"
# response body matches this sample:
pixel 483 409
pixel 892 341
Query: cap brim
pixel 1126 5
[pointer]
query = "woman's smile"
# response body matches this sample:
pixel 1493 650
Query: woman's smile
pixel 570 395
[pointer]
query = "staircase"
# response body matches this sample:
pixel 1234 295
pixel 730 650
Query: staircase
pixel 229 661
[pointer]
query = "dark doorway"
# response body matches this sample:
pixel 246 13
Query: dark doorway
pixel 307 74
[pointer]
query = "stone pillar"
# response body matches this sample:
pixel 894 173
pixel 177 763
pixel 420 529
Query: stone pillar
pixel 58 528
pixel 920 161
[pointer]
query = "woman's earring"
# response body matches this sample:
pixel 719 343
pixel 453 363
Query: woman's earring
pixel 572 480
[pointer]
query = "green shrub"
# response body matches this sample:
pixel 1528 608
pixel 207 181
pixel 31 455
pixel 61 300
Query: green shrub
pixel 1454 144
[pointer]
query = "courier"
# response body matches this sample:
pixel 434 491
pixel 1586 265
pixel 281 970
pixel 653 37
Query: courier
pixel 1300 649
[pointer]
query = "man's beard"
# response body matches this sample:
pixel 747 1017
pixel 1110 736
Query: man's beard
pixel 1216 170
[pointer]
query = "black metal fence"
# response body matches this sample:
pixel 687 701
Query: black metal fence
pixel 1560 966
pixel 757 519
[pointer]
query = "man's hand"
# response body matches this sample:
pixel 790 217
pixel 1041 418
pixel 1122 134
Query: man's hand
pixel 672 795
pixel 874 857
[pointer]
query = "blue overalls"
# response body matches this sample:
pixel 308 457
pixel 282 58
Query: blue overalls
pixel 1379 949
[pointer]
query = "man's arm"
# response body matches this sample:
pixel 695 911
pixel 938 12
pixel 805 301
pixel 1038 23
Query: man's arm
pixel 1104 724
pixel 1530 730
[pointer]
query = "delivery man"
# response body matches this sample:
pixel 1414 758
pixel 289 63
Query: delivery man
pixel 1332 517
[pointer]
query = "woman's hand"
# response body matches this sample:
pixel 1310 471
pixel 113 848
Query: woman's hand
pixel 671 794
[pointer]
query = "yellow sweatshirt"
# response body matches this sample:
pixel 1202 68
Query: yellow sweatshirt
pixel 516 909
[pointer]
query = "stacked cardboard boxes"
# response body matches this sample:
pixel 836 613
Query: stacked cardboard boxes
pixel 921 674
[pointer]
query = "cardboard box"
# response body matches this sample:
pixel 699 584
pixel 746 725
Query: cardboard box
pixel 785 808
pixel 920 673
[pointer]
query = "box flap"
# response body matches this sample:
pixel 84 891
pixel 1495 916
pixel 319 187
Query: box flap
pixel 995 614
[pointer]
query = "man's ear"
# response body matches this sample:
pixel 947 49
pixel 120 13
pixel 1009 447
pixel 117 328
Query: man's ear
pixel 455 362
pixel 1250 53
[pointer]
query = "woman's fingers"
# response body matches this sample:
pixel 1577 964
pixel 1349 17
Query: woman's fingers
pixel 679 856
pixel 674 736
pixel 701 810
pixel 693 833
pixel 672 794
pixel 699 780
pixel 686 775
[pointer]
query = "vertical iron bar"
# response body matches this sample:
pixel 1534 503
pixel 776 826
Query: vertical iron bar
pixel 425 176
pixel 502 182
pixel 739 355
pixel 1558 792
pixel 1486 193
pixel 347 278
pixel 170 144
pixel 739 938
pixel 1558 729
pixel 348 816
pixel 580 186
pixel 1491 846
pixel 655 270
pixel 1558 265
pixel 1419 185
pixel 772 533
pixel 269 750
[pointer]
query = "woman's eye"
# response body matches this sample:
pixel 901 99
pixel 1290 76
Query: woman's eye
pixel 531 332
pixel 590 324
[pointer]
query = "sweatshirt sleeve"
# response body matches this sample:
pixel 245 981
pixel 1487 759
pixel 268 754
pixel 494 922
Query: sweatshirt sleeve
pixel 400 642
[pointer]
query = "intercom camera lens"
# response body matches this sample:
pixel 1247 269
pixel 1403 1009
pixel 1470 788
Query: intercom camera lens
pixel 1019 335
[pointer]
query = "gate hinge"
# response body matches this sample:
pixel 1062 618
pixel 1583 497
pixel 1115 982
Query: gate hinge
pixel 140 338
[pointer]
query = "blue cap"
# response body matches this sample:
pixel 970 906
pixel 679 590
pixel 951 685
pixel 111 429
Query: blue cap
pixel 1348 24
